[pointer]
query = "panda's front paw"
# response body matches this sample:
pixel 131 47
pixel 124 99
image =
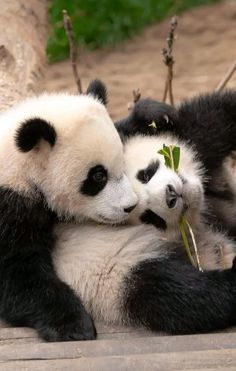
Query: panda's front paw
pixel 70 330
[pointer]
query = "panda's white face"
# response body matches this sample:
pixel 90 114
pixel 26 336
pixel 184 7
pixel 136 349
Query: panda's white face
pixel 67 148
pixel 164 196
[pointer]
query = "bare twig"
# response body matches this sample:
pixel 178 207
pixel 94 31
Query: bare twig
pixel 136 95
pixel 169 61
pixel 227 77
pixel 73 49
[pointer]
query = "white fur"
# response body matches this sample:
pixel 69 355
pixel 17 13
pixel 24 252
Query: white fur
pixel 85 137
pixel 95 259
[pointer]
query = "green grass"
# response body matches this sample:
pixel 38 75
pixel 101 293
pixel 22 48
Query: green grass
pixel 101 23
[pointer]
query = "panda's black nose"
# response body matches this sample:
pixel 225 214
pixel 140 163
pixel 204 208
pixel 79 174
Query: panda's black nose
pixel 129 209
pixel 171 196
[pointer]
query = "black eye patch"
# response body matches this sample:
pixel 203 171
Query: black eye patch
pixel 149 217
pixel 95 182
pixel 146 174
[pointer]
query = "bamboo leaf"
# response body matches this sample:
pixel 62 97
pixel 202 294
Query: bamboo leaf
pixel 176 157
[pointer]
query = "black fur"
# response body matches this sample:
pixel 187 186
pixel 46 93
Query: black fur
pixel 31 293
pixel 149 217
pixel 31 131
pixel 92 185
pixel 171 295
pixel 98 90
pixel 209 122
pixel 145 175
pixel 145 112
pixel 226 195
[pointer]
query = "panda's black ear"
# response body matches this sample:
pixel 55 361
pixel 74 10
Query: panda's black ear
pixel 32 131
pixel 98 89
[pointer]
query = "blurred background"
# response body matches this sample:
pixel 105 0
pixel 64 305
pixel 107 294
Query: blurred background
pixel 120 42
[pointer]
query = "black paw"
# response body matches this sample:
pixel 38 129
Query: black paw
pixel 76 329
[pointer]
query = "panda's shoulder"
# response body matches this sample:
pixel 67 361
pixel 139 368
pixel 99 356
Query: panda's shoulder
pixel 209 103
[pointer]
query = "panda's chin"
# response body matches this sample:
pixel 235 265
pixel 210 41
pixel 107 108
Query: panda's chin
pixel 113 221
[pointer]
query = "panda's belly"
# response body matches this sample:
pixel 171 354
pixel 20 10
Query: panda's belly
pixel 94 260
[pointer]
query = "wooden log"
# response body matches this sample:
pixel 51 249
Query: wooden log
pixel 221 359
pixel 118 348
pixel 23 32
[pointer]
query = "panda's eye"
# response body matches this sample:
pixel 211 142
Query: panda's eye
pixel 95 181
pixel 146 174
pixel 99 176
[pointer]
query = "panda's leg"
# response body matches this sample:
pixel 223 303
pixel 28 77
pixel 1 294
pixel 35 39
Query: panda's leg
pixel 174 297
pixel 32 295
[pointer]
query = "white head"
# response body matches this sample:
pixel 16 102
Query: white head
pixel 164 195
pixel 66 148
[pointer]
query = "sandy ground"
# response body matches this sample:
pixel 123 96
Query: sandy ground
pixel 204 50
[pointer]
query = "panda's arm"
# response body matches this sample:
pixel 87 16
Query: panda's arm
pixel 31 293
pixel 173 296
pixel 148 117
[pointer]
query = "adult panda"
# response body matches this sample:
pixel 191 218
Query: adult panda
pixel 139 274
pixel 208 122
pixel 61 157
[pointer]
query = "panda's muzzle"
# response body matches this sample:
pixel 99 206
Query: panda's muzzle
pixel 171 196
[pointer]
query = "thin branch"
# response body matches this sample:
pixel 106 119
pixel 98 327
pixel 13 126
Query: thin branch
pixel 136 95
pixel 227 77
pixel 169 61
pixel 73 49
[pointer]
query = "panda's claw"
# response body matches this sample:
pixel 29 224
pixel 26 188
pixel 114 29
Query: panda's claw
pixel 77 329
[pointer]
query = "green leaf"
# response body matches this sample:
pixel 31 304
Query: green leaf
pixel 171 155
pixel 176 157
pixel 168 161
pixel 165 151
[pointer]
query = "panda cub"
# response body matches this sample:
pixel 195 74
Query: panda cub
pixel 138 273
pixel 61 158
pixel 208 123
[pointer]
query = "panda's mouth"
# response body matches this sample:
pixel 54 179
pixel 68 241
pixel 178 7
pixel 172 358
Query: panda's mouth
pixel 149 217
pixel 103 219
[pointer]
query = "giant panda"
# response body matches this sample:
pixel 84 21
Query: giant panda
pixel 61 158
pixel 208 122
pixel 138 273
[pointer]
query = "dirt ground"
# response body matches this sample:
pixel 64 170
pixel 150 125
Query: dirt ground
pixel 204 50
